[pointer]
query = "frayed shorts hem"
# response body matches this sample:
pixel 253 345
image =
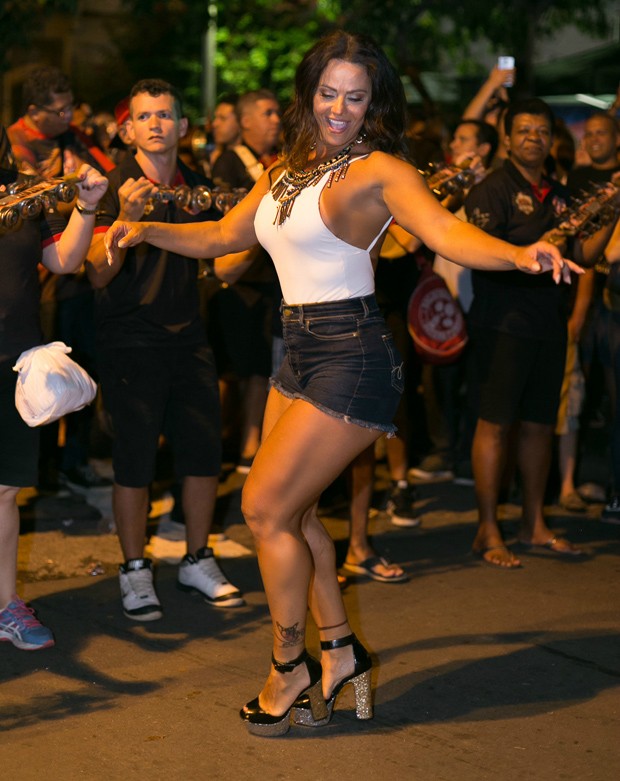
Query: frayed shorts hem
pixel 385 429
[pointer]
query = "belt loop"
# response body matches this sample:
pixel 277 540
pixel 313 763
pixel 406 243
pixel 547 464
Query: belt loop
pixel 365 305
pixel 301 314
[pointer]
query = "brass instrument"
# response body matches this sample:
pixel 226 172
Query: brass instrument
pixel 449 179
pixel 199 198
pixel 596 207
pixel 26 200
pixel 589 213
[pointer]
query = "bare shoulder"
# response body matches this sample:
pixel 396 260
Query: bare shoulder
pixel 384 172
pixel 386 161
pixel 385 169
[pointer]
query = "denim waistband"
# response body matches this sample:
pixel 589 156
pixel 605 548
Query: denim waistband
pixel 363 307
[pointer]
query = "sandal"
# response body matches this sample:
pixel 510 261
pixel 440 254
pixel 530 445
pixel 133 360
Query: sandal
pixel 504 558
pixel 360 678
pixel 369 566
pixel 559 545
pixel 573 503
pixel 260 722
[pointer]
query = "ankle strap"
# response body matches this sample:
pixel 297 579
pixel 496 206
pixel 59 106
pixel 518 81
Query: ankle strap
pixel 339 642
pixel 287 667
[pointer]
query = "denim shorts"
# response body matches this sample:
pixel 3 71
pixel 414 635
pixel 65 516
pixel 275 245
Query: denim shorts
pixel 341 357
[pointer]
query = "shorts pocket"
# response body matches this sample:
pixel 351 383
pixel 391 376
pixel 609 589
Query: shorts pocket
pixel 331 328
pixel 396 363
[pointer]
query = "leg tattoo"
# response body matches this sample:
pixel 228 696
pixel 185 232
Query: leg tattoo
pixel 289 635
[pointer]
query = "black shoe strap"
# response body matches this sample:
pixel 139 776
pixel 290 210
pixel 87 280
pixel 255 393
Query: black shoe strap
pixel 287 667
pixel 339 642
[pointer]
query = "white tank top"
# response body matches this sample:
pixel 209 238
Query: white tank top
pixel 313 265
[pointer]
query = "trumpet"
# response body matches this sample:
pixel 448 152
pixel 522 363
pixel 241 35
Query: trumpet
pixel 26 200
pixel 199 198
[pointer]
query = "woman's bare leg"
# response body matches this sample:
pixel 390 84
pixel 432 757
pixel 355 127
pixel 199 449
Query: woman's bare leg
pixel 302 452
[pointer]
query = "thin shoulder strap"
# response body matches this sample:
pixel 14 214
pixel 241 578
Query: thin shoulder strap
pixel 379 234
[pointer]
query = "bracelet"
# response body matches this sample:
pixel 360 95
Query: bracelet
pixel 84 210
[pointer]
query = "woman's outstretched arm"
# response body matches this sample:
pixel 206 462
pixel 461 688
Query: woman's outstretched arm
pixel 233 233
pixel 415 209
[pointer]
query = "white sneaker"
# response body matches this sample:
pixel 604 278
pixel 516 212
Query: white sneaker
pixel 137 593
pixel 201 573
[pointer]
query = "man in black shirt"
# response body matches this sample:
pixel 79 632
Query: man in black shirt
pixel 519 325
pixel 157 371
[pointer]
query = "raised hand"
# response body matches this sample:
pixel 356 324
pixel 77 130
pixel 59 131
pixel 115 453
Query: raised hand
pixel 91 185
pixel 134 195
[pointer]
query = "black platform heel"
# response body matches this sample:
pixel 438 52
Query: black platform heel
pixel 303 713
pixel 259 722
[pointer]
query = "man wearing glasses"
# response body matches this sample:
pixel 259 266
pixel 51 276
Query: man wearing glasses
pixel 44 141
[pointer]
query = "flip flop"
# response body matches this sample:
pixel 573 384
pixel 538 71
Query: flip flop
pixel 509 557
pixel 368 568
pixel 558 545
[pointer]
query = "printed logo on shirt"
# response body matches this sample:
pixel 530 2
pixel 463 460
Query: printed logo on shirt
pixel 479 219
pixel 559 205
pixel 524 203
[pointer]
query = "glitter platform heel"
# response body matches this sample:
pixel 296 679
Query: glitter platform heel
pixel 260 722
pixel 360 678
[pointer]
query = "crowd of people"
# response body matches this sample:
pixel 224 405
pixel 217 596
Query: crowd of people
pixel 275 333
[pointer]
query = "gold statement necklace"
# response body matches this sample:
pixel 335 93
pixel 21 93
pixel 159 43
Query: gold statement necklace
pixel 286 189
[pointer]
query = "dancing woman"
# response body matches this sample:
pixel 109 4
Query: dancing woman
pixel 319 212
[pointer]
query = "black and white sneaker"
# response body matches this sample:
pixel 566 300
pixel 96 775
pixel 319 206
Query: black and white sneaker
pixel 137 592
pixel 401 505
pixel 611 511
pixel 201 573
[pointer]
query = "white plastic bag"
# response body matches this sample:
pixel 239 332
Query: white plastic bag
pixel 50 384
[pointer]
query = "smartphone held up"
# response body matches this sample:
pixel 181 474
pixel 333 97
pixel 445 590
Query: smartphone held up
pixel 506 63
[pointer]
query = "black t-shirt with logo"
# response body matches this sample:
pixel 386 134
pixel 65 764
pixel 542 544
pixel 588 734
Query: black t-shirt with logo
pixel 507 206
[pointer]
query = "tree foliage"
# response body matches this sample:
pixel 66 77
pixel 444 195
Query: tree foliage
pixel 260 42
pixel 430 34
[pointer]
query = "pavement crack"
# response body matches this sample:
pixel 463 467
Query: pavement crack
pixel 581 661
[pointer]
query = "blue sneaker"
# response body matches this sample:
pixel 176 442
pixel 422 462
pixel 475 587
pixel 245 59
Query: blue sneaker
pixel 19 626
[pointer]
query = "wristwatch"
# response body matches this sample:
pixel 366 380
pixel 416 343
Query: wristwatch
pixel 84 210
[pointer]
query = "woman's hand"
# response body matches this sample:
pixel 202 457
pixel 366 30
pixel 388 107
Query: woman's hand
pixel 121 235
pixel 541 257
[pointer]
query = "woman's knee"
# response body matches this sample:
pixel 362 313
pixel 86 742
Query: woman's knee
pixel 262 511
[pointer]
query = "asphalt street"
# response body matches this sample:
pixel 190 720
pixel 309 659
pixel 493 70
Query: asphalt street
pixel 479 673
